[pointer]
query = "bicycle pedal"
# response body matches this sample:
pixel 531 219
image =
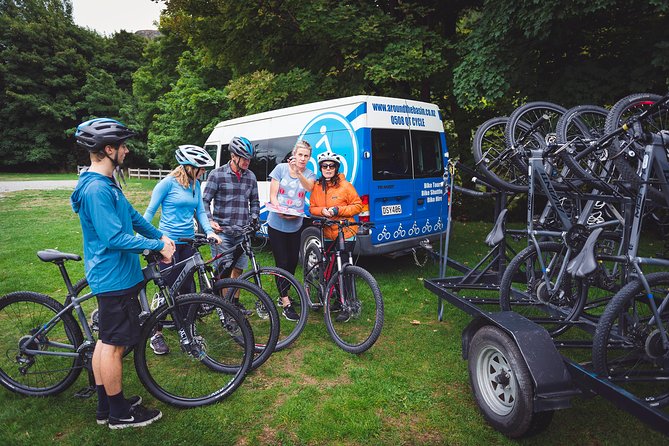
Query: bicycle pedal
pixel 86 392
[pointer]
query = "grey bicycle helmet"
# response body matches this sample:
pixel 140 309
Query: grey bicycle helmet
pixel 191 155
pixel 241 146
pixel 329 156
pixel 95 134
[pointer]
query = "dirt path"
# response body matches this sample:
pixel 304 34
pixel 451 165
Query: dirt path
pixel 12 186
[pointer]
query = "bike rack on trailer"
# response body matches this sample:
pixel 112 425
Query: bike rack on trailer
pixel 555 378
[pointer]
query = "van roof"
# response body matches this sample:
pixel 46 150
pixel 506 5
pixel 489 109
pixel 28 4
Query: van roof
pixel 316 106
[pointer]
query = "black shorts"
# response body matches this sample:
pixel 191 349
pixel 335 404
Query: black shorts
pixel 119 319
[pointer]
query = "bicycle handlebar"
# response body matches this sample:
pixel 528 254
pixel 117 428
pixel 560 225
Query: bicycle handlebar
pixel 341 223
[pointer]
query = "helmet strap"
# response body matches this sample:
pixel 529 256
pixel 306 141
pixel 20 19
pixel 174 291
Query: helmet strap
pixel 114 160
pixel 234 162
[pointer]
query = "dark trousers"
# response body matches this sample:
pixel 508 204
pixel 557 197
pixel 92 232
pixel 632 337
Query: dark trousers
pixel 286 251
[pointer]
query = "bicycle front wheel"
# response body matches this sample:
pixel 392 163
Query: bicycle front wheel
pixel 259 311
pixel 277 282
pixel 210 353
pixel 43 365
pixel 532 286
pixel 354 310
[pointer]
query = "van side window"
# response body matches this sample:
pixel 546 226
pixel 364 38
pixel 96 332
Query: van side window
pixel 211 150
pixel 261 161
pixel 391 154
pixel 427 154
pixel 269 153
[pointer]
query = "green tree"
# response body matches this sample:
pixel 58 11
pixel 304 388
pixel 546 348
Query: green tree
pixel 188 112
pixel 54 75
pixel 42 74
pixel 575 52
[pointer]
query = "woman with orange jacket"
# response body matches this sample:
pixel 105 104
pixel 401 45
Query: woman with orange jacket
pixel 333 197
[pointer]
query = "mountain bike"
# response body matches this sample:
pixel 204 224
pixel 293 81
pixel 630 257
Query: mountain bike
pixel 235 291
pixel 332 282
pixel 46 345
pixel 273 280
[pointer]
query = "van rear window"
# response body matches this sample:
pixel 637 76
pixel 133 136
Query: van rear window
pixel 393 157
pixel 391 154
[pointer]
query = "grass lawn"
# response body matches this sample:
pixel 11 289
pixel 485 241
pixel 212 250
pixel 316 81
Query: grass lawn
pixel 410 388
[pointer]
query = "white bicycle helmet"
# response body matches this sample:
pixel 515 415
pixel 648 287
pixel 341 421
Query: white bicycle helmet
pixel 329 156
pixel 193 156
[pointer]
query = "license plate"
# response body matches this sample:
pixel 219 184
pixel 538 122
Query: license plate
pixel 393 209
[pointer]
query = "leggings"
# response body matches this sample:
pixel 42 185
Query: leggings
pixel 286 251
pixel 183 252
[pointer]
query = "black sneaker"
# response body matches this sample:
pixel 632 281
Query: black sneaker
pixel 335 306
pixel 343 316
pixel 242 309
pixel 290 314
pixel 103 417
pixel 139 416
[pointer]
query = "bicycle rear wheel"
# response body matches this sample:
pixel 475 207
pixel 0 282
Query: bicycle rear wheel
pixel 313 277
pixel 627 150
pixel 501 165
pixel 46 370
pixel 259 311
pixel 524 288
pixel 580 127
pixel 277 282
pixel 210 354
pixel 627 346
pixel 361 300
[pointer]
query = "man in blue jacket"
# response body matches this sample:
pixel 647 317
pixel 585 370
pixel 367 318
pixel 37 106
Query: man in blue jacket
pixel 112 267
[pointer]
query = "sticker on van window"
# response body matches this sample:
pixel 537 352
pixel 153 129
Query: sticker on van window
pixel 393 209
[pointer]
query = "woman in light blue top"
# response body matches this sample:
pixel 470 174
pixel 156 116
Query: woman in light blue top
pixel 179 196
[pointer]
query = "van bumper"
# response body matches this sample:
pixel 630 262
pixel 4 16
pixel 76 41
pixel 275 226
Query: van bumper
pixel 396 248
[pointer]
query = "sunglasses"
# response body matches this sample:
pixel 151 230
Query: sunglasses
pixel 328 166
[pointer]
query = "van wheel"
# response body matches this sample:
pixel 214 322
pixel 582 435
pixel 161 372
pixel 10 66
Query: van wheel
pixel 502 384
pixel 310 237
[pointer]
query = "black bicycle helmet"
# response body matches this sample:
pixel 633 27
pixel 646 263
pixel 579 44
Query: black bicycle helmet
pixel 191 155
pixel 241 146
pixel 95 134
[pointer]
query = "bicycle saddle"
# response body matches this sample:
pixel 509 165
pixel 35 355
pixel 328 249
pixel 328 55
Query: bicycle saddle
pixel 585 262
pixel 496 235
pixel 52 255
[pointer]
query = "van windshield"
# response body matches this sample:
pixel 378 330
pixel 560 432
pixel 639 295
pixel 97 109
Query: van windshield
pixel 392 157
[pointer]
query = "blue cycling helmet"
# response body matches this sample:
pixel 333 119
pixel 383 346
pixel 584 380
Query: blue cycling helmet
pixel 241 146
pixel 95 134
pixel 195 156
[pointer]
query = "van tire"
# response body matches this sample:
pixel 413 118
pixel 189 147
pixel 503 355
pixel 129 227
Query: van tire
pixel 310 236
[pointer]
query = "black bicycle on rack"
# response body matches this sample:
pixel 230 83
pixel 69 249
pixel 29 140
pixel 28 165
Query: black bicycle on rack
pixel 45 344
pixel 348 294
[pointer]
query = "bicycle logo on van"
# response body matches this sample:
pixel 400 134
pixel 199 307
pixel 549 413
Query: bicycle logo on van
pixel 332 132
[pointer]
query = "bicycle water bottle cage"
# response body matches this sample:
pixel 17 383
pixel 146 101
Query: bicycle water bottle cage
pixel 585 262
pixel 496 235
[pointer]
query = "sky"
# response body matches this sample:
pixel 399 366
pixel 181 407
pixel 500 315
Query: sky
pixel 109 16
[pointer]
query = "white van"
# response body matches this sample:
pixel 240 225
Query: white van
pixel 394 153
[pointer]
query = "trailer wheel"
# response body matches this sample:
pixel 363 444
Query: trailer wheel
pixel 502 384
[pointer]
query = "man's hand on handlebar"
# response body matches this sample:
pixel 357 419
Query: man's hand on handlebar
pixel 168 249
pixel 214 237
